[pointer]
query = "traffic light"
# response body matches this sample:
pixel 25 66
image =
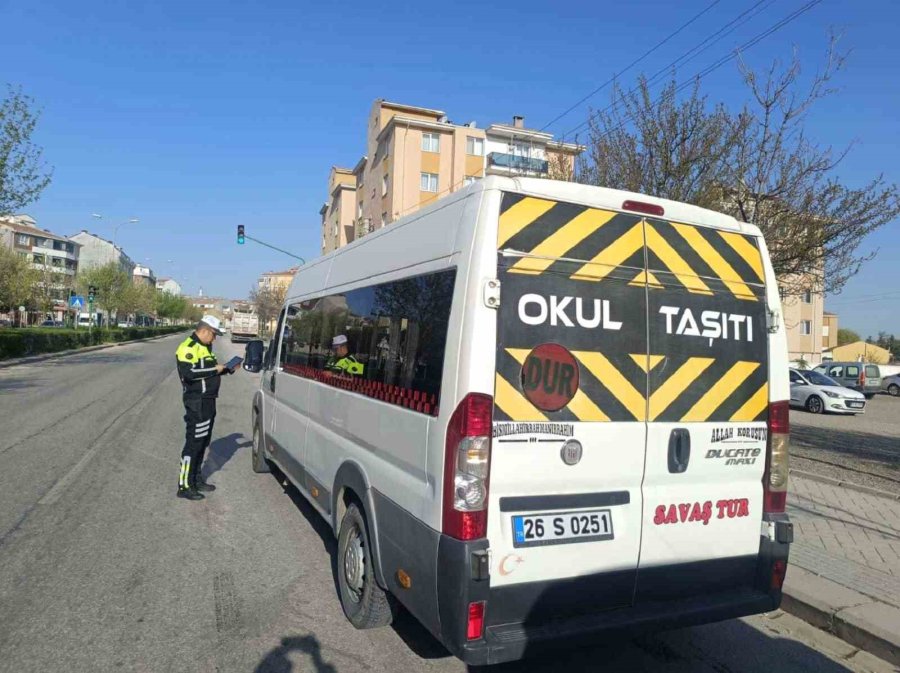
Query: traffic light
pixel 91 292
pixel 240 234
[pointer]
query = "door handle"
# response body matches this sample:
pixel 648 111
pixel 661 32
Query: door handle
pixel 272 382
pixel 679 450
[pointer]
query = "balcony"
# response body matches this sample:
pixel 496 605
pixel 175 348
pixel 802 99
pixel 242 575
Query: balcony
pixel 514 163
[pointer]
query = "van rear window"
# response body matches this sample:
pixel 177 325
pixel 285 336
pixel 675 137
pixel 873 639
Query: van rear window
pixel 872 372
pixel 390 339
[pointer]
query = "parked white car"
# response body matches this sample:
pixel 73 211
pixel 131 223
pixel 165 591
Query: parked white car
pixel 891 385
pixel 818 393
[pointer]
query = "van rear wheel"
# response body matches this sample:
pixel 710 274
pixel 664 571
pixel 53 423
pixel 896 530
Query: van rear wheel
pixel 814 405
pixel 366 604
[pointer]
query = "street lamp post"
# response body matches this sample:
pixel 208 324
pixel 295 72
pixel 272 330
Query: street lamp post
pixel 133 220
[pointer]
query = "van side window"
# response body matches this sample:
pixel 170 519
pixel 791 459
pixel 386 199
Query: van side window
pixel 852 370
pixel 395 332
pixel 835 372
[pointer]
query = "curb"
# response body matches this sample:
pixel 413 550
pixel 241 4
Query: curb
pixel 851 616
pixel 845 484
pixel 76 351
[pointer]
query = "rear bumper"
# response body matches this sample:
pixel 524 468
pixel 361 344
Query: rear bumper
pixel 522 619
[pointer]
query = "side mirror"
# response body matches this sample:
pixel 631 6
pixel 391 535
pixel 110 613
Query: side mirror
pixel 253 356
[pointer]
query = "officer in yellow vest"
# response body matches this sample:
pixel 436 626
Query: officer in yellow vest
pixel 200 375
pixel 341 361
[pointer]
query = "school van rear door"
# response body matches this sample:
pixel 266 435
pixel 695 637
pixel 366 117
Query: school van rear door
pixel 629 407
pixel 707 410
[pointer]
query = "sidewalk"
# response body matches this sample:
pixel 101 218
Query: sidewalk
pixel 30 359
pixel 844 572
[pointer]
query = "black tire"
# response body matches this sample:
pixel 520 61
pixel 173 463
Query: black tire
pixel 366 604
pixel 814 404
pixel 257 455
pixel 894 390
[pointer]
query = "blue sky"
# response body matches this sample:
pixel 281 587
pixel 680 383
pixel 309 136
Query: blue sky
pixel 195 117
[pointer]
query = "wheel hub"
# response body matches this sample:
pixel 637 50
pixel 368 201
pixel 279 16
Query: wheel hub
pixel 354 565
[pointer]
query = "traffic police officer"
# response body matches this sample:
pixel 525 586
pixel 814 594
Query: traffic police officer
pixel 341 361
pixel 200 375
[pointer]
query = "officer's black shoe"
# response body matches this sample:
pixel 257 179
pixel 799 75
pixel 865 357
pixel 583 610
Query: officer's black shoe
pixel 189 494
pixel 201 485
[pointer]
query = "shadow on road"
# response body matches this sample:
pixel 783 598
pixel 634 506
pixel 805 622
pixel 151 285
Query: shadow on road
pixel 222 450
pixel 277 661
pixel 879 450
pixel 720 647
pixel 12 386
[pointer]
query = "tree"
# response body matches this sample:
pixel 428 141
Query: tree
pixel 847 336
pixel 23 175
pixel 170 306
pixel 115 289
pixel 268 302
pixel 17 278
pixel 49 285
pixel 758 165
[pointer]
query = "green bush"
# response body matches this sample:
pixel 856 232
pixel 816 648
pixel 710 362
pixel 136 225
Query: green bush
pixel 34 340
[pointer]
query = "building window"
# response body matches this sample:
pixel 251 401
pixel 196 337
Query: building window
pixel 23 239
pixel 475 146
pixel 37 259
pixel 384 185
pixel 807 297
pixel 825 330
pixel 806 327
pixel 334 231
pixel 520 149
pixel 383 219
pixel 431 142
pixel 429 182
pixel 359 209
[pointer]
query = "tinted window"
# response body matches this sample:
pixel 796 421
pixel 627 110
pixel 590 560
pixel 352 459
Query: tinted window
pixel 820 379
pixel 395 336
pixel 835 371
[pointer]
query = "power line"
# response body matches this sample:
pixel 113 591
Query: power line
pixel 630 65
pixel 719 63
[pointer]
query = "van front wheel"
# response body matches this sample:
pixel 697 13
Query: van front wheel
pixel 257 455
pixel 366 604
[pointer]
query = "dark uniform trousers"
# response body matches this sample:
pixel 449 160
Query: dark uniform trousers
pixel 199 417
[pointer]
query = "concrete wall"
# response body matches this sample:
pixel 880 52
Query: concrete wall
pixel 796 310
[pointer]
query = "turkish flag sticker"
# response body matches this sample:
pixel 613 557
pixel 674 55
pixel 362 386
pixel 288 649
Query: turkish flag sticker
pixel 550 377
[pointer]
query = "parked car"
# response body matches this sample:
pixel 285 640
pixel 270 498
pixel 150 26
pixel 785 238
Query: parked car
pixel 52 323
pixel 818 393
pixel 5 322
pixel 861 376
pixel 891 385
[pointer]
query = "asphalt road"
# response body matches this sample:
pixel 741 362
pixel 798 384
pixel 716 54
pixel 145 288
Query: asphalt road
pixel 103 569
pixel 862 449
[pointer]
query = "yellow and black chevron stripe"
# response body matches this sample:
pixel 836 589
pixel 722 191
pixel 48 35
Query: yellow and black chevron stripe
pixel 613 388
pixel 612 245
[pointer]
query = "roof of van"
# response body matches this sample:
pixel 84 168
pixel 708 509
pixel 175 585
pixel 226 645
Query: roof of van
pixel 556 190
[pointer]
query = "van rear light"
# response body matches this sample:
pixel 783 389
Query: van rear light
pixel 775 479
pixel 646 208
pixel 862 377
pixel 467 467
pixel 475 622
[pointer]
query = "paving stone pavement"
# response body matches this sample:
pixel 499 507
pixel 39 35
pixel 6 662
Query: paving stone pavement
pixel 847 536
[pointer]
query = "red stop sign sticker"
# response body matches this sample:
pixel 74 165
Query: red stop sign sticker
pixel 550 377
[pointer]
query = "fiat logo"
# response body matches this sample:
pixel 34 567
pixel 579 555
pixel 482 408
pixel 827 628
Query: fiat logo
pixel 571 452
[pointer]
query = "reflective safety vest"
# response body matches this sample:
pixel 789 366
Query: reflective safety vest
pixel 348 365
pixel 197 368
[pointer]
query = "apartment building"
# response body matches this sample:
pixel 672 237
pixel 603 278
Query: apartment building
pixel 276 280
pixel 829 330
pixel 169 285
pixel 143 275
pixel 415 155
pixel 44 249
pixel 97 251
pixel 804 322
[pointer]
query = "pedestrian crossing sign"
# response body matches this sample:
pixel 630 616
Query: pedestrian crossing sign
pixel 76 302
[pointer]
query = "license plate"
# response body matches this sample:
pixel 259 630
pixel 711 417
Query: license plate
pixel 534 530
pixel 855 405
